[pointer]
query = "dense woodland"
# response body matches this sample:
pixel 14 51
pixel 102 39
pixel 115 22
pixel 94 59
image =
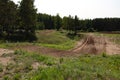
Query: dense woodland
pixel 19 22
pixel 46 21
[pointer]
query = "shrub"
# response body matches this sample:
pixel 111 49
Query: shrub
pixel 104 54
pixel 1 68
pixel 6 78
pixel 16 77
pixel 19 52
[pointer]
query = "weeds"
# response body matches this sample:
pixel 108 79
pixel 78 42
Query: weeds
pixel 6 78
pixel 84 67
pixel 16 77
pixel 1 68
pixel 104 54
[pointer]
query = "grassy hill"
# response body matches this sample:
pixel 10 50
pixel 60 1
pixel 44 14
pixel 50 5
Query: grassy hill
pixel 55 39
pixel 47 38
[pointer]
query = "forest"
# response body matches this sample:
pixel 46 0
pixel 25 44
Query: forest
pixel 46 21
pixel 19 22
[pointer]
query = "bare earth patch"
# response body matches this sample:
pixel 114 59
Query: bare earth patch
pixel 96 45
pixel 6 51
pixel 36 65
pixel 91 44
pixel 5 60
pixel 112 48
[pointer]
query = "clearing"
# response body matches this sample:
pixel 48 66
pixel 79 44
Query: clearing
pixel 31 61
pixel 90 44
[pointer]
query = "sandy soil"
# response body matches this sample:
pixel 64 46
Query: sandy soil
pixel 96 44
pixel 91 44
pixel 5 60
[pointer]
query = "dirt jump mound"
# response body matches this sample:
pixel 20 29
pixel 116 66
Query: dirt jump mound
pixel 95 45
pixel 90 44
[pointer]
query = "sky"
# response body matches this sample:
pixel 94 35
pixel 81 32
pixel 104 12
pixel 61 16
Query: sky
pixel 84 9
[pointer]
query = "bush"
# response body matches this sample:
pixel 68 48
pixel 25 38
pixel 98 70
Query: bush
pixel 104 54
pixel 16 77
pixel 19 52
pixel 6 78
pixel 1 68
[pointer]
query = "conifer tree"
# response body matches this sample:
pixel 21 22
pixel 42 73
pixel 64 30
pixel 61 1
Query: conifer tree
pixel 28 17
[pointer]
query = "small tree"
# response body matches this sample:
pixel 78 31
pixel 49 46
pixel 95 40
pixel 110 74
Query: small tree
pixel 57 22
pixel 76 24
pixel 65 23
pixel 71 24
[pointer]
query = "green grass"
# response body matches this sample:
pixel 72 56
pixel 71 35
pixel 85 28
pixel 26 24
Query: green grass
pixel 1 68
pixel 51 37
pixel 84 67
pixel 63 46
pixel 13 45
pixel 48 38
pixel 55 39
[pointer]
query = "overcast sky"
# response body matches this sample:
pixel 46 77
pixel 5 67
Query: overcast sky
pixel 84 9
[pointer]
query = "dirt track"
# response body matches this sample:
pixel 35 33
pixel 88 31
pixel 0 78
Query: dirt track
pixel 91 44
pixel 97 44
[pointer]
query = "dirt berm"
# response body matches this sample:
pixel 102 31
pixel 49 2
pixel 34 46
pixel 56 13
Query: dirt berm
pixel 92 44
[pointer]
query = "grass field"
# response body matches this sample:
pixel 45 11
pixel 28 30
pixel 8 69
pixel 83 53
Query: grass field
pixel 25 65
pixel 32 66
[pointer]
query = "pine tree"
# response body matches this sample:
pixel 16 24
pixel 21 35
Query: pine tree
pixel 8 13
pixel 57 22
pixel 28 17
pixel 76 24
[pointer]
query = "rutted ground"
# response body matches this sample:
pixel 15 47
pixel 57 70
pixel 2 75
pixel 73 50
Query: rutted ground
pixel 91 44
pixel 22 63
pixel 96 45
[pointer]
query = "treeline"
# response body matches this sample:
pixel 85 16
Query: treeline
pixel 106 24
pixel 70 23
pixel 45 21
pixel 19 22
